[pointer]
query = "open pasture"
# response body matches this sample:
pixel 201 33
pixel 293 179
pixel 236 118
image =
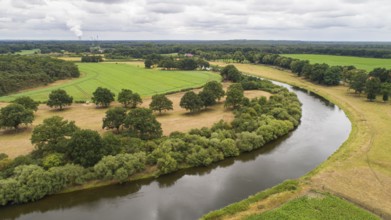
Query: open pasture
pixel 359 62
pixel 115 77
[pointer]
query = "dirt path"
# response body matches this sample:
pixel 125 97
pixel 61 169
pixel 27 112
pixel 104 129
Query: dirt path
pixel 360 170
pixel 87 116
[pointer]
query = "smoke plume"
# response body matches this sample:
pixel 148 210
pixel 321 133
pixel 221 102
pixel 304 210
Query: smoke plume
pixel 75 27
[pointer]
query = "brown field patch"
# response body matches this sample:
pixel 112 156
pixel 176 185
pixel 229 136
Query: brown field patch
pixel 87 116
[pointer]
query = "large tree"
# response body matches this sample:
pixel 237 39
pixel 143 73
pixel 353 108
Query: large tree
pixel 372 88
pixel 160 103
pixel 114 118
pixel 207 98
pixel 13 115
pixel 53 135
pixel 59 98
pixel 102 97
pixel 85 148
pixel 230 72
pixel 27 102
pixel 215 88
pixel 128 98
pixel 234 96
pixel 143 124
pixel 191 101
pixel 358 80
pixel 385 90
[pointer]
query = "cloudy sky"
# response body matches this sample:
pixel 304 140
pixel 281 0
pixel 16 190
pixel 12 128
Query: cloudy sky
pixel 320 20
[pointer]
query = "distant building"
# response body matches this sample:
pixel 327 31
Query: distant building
pixel 189 55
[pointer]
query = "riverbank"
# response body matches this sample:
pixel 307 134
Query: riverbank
pixel 360 171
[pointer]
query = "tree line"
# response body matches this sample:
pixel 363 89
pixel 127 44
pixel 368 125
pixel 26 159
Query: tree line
pixel 22 72
pixel 65 155
pixel 172 63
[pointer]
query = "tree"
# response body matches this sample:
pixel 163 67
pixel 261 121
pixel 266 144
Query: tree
pixel 191 101
pixel 238 56
pixel 148 63
pixel 358 80
pixel 13 115
pixel 103 97
pixel 381 73
pixel 385 90
pixel 27 102
pixel 332 76
pixel 207 98
pixel 114 118
pixel 230 72
pixel 235 96
pixel 297 66
pixel 59 98
pixel 160 103
pixel 53 135
pixel 187 64
pixel 372 88
pixel 85 148
pixel 127 97
pixel 215 88
pixel 143 124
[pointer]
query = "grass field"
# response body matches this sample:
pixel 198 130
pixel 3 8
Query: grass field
pixel 360 170
pixel 115 77
pixel 28 52
pixel 360 62
pixel 316 206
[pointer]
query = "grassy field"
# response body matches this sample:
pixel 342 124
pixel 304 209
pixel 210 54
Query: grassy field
pixel 146 82
pixel 360 170
pixel 316 206
pixel 28 52
pixel 360 62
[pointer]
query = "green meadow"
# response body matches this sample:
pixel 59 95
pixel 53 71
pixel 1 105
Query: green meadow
pixel 115 77
pixel 359 62
pixel 28 52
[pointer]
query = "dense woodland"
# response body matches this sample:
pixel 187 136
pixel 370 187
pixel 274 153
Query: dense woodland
pixel 22 72
pixel 211 49
pixel 67 156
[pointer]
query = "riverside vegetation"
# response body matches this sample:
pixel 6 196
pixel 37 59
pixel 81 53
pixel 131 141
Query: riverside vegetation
pixel 66 156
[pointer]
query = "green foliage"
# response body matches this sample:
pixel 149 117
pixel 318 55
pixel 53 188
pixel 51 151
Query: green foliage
pixel 52 160
pixel 207 98
pixel 53 135
pixel 321 207
pixel 13 115
pixel 372 88
pixel 248 141
pixel 215 88
pixel 231 73
pixel 385 90
pixel 59 98
pixel 114 118
pixel 142 123
pixel 120 167
pixel 166 164
pixel 22 72
pixel 91 59
pixel 191 101
pixel 358 81
pixel 27 102
pixel 235 96
pixel 85 148
pixel 127 97
pixel 160 103
pixel 187 64
pixel 148 63
pixel 102 97
pixel 332 76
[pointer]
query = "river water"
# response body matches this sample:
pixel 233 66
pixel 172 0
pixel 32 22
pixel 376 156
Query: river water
pixel 191 193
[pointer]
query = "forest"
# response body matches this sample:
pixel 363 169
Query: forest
pixel 23 72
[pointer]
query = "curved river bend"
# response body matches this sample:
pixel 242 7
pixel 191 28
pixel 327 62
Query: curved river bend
pixel 190 194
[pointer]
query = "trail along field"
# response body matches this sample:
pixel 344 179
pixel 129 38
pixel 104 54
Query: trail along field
pixel 360 170
pixel 87 116
pixel 359 62
pixel 117 76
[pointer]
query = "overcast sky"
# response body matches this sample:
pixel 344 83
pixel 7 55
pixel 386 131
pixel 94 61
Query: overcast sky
pixel 319 20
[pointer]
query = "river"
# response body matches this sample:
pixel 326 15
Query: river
pixel 191 193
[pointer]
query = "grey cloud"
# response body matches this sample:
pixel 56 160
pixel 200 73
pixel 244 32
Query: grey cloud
pixel 108 1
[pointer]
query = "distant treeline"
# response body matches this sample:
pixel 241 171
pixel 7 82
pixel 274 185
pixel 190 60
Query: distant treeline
pixel 22 72
pixel 376 82
pixel 165 62
pixel 206 49
pixel 91 59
